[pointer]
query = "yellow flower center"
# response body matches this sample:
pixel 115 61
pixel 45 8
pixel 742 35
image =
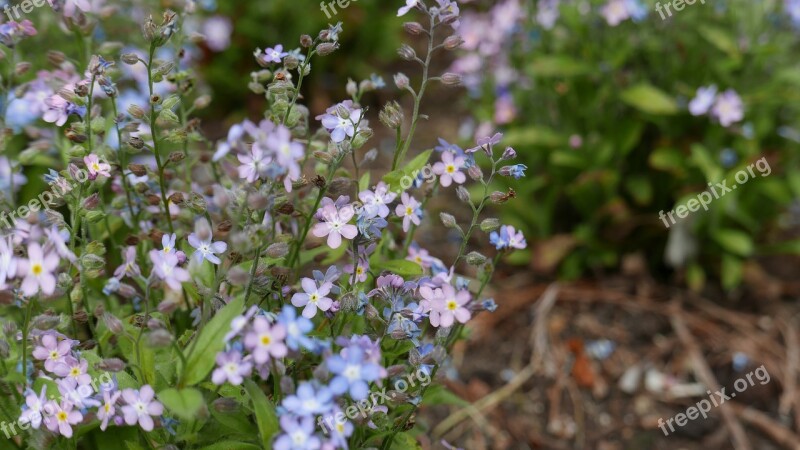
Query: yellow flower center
pixel 107 407
pixel 409 211
pixel 62 416
pixel 452 305
pixel 265 340
pixel 75 372
pixel 37 269
pixel 54 355
pixel 451 168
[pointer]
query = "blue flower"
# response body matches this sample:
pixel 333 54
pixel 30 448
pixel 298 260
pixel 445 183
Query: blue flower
pixel 507 238
pixel 517 171
pixel 309 401
pixel 353 373
pixel 298 434
pixel 296 329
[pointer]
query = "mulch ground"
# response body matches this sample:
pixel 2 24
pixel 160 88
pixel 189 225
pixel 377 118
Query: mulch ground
pixel 540 372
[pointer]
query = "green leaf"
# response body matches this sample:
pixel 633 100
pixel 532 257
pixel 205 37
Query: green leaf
pixel 363 183
pixel 210 342
pixel 734 241
pixel 732 269
pixel 558 66
pixel 404 441
pixel 649 99
pixel 721 39
pixel 440 395
pixel 184 403
pixel 231 445
pixel 396 180
pixel 266 418
pixel 400 267
pixel 534 135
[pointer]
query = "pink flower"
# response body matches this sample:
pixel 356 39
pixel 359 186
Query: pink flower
pixel 108 410
pixel 266 341
pixel 449 169
pixel 34 414
pixel 314 297
pixel 96 167
pixel 140 407
pixel 333 223
pixel 52 351
pixel 62 417
pixel 56 110
pixel 447 305
pixel 419 256
pixel 409 210
pixel 38 271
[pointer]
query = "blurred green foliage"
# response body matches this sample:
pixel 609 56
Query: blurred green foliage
pixel 624 91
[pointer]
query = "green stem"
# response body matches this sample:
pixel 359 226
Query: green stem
pixel 154 132
pixel 25 340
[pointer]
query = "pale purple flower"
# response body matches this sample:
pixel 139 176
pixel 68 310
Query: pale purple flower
pixel 108 410
pixel 298 434
pixel 239 322
pixel 334 224
pixel 315 297
pixel 266 341
pixel 703 100
pixel 218 30
pixel 8 262
pixel 271 54
pixel 449 169
pixel 615 11
pixel 52 351
pixel 231 368
pixel 38 270
pixel 57 240
pixel 57 111
pixel 205 248
pixel 728 108
pixel 140 407
pixel 253 165
pixel 129 266
pixel 165 267
pixel 508 237
pixel 73 368
pixel 62 417
pixel 10 176
pixel 72 7
pixel 35 405
pixel 419 256
pixel 376 202
pixel 168 243
pixel 341 121
pixel 410 4
pixel 410 210
pixel 78 395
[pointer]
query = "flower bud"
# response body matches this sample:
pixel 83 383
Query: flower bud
pixel 463 194
pixel 278 250
pixel 326 48
pixel 352 87
pixel 413 28
pixel 91 202
pixel 509 153
pixel 22 68
pixel 55 57
pixel 406 52
pixel 159 338
pixel 475 259
pixel 475 172
pixel 448 220
pixel 451 79
pixel 498 197
pixel 453 42
pixel 111 365
pixel 290 62
pixel 489 225
pixel 401 81
pixel 136 111
pixel 130 59
pixel 137 169
pixel 306 41
pixel 391 115
pixel 113 324
pixel 149 29
pixel 202 102
pixel 136 142
pixel 176 157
